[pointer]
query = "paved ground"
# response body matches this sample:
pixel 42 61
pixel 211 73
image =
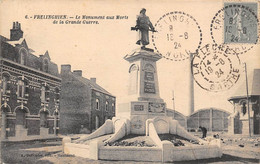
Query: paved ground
pixel 236 149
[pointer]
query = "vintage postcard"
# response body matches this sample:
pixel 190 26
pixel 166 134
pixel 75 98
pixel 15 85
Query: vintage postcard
pixel 131 81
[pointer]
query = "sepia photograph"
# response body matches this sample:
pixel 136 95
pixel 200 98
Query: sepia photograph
pixel 134 81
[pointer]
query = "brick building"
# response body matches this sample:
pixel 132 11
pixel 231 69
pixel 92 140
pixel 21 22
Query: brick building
pixel 84 104
pixel 30 87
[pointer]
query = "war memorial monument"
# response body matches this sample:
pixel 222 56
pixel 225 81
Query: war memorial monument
pixel 146 124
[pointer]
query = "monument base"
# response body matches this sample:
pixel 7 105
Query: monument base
pixel 94 145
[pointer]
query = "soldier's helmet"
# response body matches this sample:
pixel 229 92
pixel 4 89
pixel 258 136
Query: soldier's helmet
pixel 143 10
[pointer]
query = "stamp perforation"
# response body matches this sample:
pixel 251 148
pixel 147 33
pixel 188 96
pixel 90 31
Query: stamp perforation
pixel 236 44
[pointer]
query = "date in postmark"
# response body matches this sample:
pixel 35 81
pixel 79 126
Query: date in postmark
pixel 178 35
pixel 214 69
pixel 236 25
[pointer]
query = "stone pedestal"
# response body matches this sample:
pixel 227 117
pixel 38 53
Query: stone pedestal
pixel 20 132
pixel 143 100
pixel 3 126
pixel 44 132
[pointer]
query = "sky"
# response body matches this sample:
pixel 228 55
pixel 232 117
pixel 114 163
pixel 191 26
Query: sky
pixel 98 49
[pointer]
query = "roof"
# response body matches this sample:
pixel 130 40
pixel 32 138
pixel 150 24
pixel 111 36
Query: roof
pixel 168 110
pixel 15 42
pixel 253 86
pixel 2 38
pixel 93 85
pixel 10 51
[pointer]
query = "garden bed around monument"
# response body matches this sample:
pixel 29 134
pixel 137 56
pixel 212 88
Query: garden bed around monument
pixel 131 148
pixel 133 140
pixel 177 140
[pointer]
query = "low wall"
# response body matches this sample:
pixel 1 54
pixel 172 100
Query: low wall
pixel 153 134
pixel 194 152
pixel 119 133
pixel 106 128
pixel 152 154
pixel 176 128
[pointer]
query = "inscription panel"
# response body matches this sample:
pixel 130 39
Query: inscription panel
pixel 149 76
pixel 149 87
pixel 138 108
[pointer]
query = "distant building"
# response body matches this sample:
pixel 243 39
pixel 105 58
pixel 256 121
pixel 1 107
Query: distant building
pixel 212 119
pixel 238 122
pixel 30 87
pixel 177 116
pixel 85 106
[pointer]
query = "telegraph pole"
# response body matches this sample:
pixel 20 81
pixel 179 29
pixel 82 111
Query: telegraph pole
pixel 173 104
pixel 247 102
pixel 191 87
pixel 1 112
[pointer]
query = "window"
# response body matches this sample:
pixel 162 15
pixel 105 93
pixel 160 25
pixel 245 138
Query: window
pixel 22 59
pixel 97 122
pixel 45 65
pixel 97 104
pixel 43 119
pixel 244 108
pixel 106 108
pixel 5 80
pixel 20 89
pixel 113 107
pixel 57 94
pixel 43 93
pixel 23 53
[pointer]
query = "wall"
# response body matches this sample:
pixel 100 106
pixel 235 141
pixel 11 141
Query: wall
pixel 212 119
pixel 102 114
pixel 74 104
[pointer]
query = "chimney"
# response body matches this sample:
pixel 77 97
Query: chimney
pixel 77 72
pixel 65 68
pixel 93 80
pixel 16 33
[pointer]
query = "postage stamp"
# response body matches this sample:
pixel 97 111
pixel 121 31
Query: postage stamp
pixel 214 69
pixel 236 25
pixel 179 34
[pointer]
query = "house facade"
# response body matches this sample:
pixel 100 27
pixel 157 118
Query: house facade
pixel 85 106
pixel 245 114
pixel 30 88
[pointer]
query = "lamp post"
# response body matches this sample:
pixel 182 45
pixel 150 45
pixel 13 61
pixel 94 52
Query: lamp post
pixel 247 97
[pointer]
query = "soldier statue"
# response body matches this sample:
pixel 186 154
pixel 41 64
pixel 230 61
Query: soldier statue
pixel 144 25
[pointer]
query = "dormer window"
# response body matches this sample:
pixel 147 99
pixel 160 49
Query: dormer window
pixel 22 53
pixel 45 65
